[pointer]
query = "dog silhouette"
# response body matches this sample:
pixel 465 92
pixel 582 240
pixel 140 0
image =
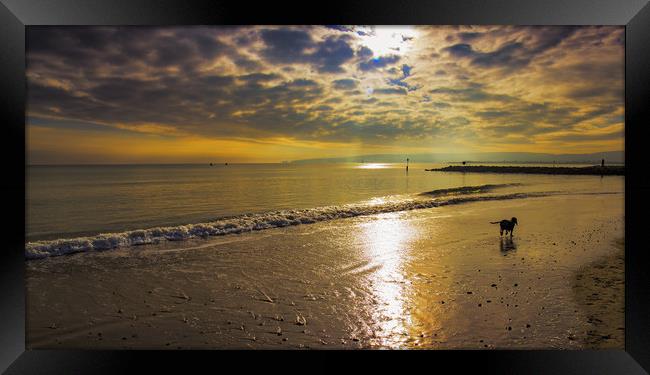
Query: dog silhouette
pixel 506 225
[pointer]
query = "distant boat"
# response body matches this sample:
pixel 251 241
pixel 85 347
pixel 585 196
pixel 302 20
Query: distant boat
pixel 210 164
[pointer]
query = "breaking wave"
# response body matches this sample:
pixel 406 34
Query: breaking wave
pixel 467 189
pixel 255 222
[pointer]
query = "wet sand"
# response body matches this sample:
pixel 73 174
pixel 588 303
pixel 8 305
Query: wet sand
pixel 438 278
pixel 600 291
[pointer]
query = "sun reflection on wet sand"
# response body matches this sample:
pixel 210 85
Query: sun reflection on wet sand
pixel 386 241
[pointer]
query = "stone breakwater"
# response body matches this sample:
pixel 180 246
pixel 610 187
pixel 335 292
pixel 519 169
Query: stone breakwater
pixel 595 170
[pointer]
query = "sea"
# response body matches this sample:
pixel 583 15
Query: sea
pixel 77 208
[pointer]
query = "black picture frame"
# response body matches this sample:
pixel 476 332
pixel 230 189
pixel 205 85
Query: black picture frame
pixel 15 15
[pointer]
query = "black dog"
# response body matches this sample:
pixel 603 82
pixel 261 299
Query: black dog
pixel 506 225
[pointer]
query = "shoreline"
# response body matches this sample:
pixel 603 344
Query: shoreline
pixel 262 221
pixel 590 171
pixel 434 279
pixel 599 289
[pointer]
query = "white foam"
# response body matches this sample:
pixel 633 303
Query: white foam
pixel 254 222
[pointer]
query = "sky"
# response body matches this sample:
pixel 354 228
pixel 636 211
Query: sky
pixel 278 93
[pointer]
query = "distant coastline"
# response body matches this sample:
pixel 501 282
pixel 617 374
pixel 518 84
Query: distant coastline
pixel 611 157
pixel 593 170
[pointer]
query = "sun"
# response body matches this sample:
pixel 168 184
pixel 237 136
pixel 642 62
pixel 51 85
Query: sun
pixel 388 40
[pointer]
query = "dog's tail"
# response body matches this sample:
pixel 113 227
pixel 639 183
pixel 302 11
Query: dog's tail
pixel 495 222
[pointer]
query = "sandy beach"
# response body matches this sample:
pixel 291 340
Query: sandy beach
pixel 431 278
pixel 600 291
pixel 438 278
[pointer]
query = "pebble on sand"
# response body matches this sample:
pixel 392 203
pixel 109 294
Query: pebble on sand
pixel 300 320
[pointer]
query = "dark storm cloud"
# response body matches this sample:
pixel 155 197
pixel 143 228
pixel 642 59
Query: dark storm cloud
pixel 345 84
pixel 440 105
pixel 343 28
pixel 94 51
pixel 597 92
pixel 402 83
pixel 297 46
pixel 472 93
pixel 512 54
pixel 582 137
pixel 378 62
pixel 183 98
pixel 369 101
pixel 259 77
pixel 331 54
pixel 406 72
pixel 364 52
pixel 468 36
pixel 334 100
pixel 285 46
pixel 518 129
pixel 187 103
pixel 491 114
pixel 254 82
pixel 303 83
pixel 390 91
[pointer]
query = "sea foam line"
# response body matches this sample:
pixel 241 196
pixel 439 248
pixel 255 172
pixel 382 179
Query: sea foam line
pixel 255 222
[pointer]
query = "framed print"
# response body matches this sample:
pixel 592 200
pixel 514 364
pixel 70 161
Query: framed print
pixel 461 180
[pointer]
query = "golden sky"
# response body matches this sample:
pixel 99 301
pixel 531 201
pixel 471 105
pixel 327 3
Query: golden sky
pixel 274 93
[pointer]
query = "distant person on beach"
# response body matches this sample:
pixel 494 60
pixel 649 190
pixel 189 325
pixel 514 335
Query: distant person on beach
pixel 602 163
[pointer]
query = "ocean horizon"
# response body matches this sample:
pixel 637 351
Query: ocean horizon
pixel 79 208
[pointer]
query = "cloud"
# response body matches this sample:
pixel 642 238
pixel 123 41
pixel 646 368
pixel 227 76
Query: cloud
pixel 285 46
pixel 343 28
pixel 440 105
pixel 492 114
pixel 259 77
pixel 468 36
pixel 291 46
pixel 406 72
pixel 471 94
pixel 511 54
pixel 364 52
pixel 378 62
pixel 312 84
pixel 331 54
pixel 345 84
pixel 390 91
